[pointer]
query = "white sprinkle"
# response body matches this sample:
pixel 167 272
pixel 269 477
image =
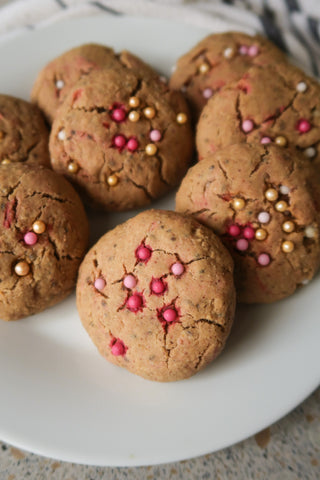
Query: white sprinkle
pixel 59 84
pixel 310 231
pixel 284 190
pixel 163 79
pixel 310 152
pixel 301 87
pixel 228 52
pixel 62 135
pixel 264 217
pixel 305 281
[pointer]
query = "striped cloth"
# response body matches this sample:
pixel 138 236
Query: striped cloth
pixel 294 25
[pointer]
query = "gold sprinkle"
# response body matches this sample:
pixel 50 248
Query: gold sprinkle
pixel 39 226
pixel 151 149
pixel 134 116
pixel 22 269
pixel 73 167
pixel 238 203
pixel 112 180
pixel 134 102
pixel 281 141
pixel 287 246
pixel 271 194
pixel 149 112
pixel 5 161
pixel 288 226
pixel 281 206
pixel 261 234
pixel 181 118
pixel 204 68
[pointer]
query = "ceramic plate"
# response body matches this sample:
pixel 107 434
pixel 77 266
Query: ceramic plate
pixel 59 398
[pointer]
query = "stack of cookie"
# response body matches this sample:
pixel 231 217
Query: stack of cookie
pixel 118 133
pixel 257 183
pixel 156 294
pixel 44 228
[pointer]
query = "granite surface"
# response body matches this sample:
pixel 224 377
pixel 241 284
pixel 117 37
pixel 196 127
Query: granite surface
pixel 288 450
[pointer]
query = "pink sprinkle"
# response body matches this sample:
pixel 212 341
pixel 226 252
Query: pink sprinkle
pixel 155 135
pixel 303 125
pixel 265 140
pixel 248 233
pixel 143 253
pixel 157 286
pixel 132 144
pixel 169 315
pixel 119 141
pixel 99 283
pixel 118 114
pixel 264 259
pixel 134 303
pixel 242 244
pixel 177 269
pixel 264 217
pixel 253 50
pixel 129 281
pixel 234 230
pixel 247 126
pixel 30 238
pixel 207 93
pixel 243 50
pixel 118 348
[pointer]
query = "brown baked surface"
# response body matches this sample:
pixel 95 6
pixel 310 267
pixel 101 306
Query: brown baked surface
pixel 269 97
pixel 217 60
pixel 23 132
pixel 30 194
pixel 247 172
pixel 202 295
pixel 58 77
pixel 84 132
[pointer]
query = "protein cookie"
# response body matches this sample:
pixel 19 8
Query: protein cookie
pixel 263 202
pixel 273 104
pixel 156 295
pixel 43 237
pixel 123 140
pixel 218 60
pixel 24 135
pixel 56 79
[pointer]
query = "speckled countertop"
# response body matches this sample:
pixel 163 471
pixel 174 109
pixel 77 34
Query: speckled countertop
pixel 288 450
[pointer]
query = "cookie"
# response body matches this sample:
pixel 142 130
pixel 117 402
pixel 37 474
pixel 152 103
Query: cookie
pixel 156 295
pixel 218 60
pixel 276 104
pixel 263 202
pixel 123 140
pixel 23 133
pixel 56 79
pixel 44 235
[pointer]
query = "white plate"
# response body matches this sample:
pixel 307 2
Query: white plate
pixel 61 399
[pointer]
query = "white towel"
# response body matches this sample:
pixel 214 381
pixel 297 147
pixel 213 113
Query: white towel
pixel 294 25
